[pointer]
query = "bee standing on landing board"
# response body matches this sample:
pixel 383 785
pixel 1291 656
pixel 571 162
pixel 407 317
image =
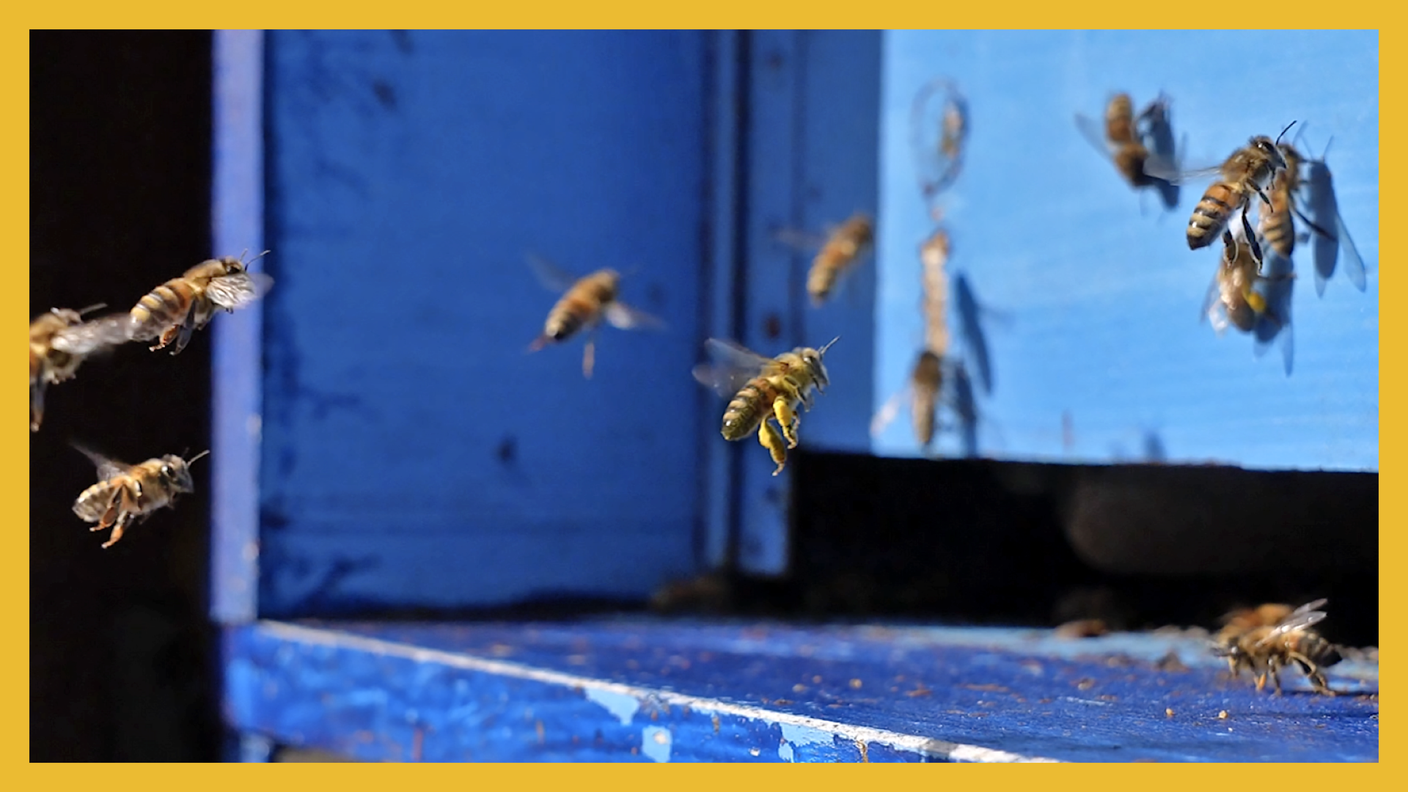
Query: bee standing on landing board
pixel 584 303
pixel 179 307
pixel 764 388
pixel 1266 649
pixel 1247 172
pixel 59 342
pixel 128 493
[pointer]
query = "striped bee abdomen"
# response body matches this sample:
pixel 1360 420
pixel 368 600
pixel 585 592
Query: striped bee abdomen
pixel 163 307
pixel 1209 216
pixel 747 410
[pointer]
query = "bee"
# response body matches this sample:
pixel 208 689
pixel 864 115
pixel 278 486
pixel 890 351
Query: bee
pixel 764 388
pixel 939 107
pixel 923 391
pixel 1267 648
pixel 128 493
pixel 59 342
pixel 1307 182
pixel 584 303
pixel 1123 141
pixel 1247 172
pixel 174 310
pixel 933 255
pixel 843 248
pixel 1232 298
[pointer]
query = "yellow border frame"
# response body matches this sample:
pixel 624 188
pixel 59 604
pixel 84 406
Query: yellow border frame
pixel 1239 66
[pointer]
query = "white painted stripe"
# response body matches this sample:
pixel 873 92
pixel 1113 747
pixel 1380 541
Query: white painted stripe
pixel 926 746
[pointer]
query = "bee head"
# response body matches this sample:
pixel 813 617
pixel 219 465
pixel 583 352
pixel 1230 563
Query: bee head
pixel 812 358
pixel 177 471
pixel 235 265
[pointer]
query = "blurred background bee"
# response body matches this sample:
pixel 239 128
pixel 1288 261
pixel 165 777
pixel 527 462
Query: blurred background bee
pixel 1131 147
pixel 1247 172
pixel 584 303
pixel 764 388
pixel 1308 182
pixel 1243 296
pixel 938 131
pixel 174 310
pixel 127 493
pixel 59 342
pixel 839 250
pixel 925 386
pixel 1248 642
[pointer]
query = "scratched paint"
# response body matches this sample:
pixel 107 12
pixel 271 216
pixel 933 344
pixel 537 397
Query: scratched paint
pixel 621 705
pixel 655 743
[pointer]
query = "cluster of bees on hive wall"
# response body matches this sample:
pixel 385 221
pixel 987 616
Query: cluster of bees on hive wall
pixel 1251 287
pixel 62 339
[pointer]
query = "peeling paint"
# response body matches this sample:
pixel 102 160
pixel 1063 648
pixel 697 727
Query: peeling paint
pixel 655 743
pixel 623 706
pixel 798 734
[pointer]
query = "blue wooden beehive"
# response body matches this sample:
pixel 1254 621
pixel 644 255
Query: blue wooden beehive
pixel 385 444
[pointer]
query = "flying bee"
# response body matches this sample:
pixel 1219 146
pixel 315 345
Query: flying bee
pixel 764 388
pixel 584 303
pixel 59 342
pixel 177 308
pixel 938 135
pixel 127 493
pixel 1247 172
pixel 1266 649
pixel 1124 142
pixel 844 247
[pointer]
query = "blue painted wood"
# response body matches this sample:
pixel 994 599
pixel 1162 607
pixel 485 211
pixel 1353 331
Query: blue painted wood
pixel 413 453
pixel 811 140
pixel 1093 327
pixel 238 224
pixel 632 690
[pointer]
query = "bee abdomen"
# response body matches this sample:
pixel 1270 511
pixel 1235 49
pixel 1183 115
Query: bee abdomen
pixel 162 307
pixel 93 501
pixel 1280 234
pixel 744 413
pixel 1209 218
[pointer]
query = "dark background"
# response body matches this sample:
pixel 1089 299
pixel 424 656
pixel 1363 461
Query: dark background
pixel 121 653
pixel 120 202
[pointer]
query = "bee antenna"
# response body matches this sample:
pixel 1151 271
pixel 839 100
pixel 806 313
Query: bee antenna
pixel 197 456
pixel 251 261
pixel 91 308
pixel 1283 132
pixel 822 351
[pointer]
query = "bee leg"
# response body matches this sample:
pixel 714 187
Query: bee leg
pixel 1261 682
pixel 166 338
pixel 1317 677
pixel 112 513
pixel 36 405
pixel 772 441
pixel 117 531
pixel 787 419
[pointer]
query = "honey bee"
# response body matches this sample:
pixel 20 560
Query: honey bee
pixel 922 393
pixel 1266 648
pixel 843 248
pixel 764 388
pixel 939 107
pixel 174 310
pixel 1122 140
pixel 59 342
pixel 1232 298
pixel 1314 189
pixel 933 255
pixel 1247 172
pixel 128 493
pixel 584 303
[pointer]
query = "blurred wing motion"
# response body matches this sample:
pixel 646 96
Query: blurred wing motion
pixel 624 317
pixel 239 289
pixel 889 411
pixel 1213 311
pixel 1171 172
pixel 730 367
pixel 90 337
pixel 107 467
pixel 553 277
pixel 800 240
pixel 1094 131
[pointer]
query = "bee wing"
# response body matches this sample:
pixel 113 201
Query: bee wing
pixel 1213 311
pixel 1353 264
pixel 1292 623
pixel 731 366
pixel 889 411
pixel 1308 607
pixel 1170 171
pixel 238 290
pixel 107 467
pixel 89 337
pixel 625 317
pixel 553 277
pixel 798 239
pixel 1094 132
